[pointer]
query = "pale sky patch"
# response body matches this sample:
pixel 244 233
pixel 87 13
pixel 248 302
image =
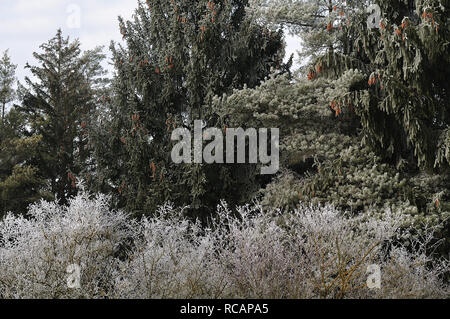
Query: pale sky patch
pixel 26 24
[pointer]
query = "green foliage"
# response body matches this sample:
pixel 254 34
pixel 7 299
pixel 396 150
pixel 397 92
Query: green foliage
pixel 7 78
pixel 366 126
pixel 342 141
pixel 57 105
pixel 404 109
pixel 322 25
pixel 20 182
pixel 179 55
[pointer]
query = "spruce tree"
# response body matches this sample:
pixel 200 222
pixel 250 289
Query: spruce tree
pixel 7 78
pixel 20 181
pixel 57 106
pixel 404 107
pixel 340 144
pixel 322 25
pixel 179 54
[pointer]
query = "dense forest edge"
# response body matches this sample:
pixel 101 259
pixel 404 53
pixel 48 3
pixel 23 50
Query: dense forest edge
pixel 87 179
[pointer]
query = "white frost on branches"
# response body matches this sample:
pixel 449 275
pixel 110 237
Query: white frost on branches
pixel 312 252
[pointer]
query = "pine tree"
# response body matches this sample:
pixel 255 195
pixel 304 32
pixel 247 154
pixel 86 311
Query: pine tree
pixel 322 26
pixel 20 182
pixel 404 109
pixel 179 55
pixel 401 95
pixel 57 106
pixel 340 144
pixel 7 78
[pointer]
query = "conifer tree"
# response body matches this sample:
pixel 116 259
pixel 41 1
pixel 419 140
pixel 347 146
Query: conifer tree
pixel 7 78
pixel 179 54
pixel 20 181
pixel 404 107
pixel 57 106
pixel 322 25
pixel 340 144
pixel 400 95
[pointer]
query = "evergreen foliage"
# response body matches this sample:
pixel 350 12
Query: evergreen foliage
pixel 365 154
pixel 178 56
pixel 7 78
pixel 57 106
pixel 334 120
pixel 20 182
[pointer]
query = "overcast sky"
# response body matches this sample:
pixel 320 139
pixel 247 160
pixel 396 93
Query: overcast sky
pixel 26 24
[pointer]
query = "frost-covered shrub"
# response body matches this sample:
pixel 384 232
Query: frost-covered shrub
pixel 313 252
pixel 316 252
pixel 171 259
pixel 35 253
pixel 247 252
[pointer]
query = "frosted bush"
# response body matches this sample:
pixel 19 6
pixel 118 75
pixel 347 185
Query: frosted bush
pixel 171 259
pixel 36 252
pixel 316 252
pixel 313 252
pixel 247 252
